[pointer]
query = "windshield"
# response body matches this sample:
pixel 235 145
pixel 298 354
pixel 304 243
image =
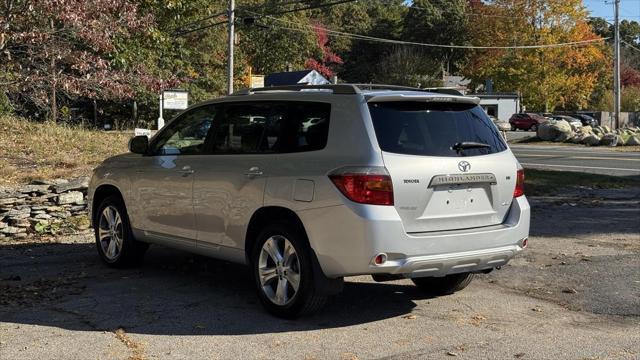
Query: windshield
pixel 434 129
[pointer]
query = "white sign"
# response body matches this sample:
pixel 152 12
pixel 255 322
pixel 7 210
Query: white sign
pixel 141 132
pixel 175 99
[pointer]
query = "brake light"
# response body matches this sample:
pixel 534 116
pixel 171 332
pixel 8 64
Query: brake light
pixel 366 185
pixel 519 190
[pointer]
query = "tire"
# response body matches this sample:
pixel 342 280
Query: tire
pixel 534 127
pixel 443 285
pixel 274 282
pixel 513 128
pixel 126 250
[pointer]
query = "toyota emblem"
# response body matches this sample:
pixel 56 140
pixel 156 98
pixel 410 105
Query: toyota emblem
pixel 464 166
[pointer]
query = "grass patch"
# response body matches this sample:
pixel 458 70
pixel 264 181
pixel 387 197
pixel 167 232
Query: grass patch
pixel 31 150
pixel 547 182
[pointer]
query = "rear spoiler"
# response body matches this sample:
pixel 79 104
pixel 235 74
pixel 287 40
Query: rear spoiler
pixel 423 98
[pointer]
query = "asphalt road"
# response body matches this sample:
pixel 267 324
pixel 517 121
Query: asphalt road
pixel 578 158
pixel 574 294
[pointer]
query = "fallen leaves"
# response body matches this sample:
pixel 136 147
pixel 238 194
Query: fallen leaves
pixel 477 319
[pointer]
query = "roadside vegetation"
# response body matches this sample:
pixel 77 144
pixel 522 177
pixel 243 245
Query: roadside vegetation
pixel 549 182
pixel 105 61
pixel 31 150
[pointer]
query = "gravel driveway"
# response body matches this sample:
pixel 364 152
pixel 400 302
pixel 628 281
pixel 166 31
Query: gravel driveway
pixel 575 294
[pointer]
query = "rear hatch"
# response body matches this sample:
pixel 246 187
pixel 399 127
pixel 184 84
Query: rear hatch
pixel 449 165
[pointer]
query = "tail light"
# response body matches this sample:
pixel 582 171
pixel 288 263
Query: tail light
pixel 519 190
pixel 364 185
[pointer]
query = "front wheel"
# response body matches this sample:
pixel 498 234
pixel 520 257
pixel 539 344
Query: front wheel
pixel 283 272
pixel 534 127
pixel 443 285
pixel 115 242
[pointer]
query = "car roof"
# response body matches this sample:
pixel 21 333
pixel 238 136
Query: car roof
pixel 371 92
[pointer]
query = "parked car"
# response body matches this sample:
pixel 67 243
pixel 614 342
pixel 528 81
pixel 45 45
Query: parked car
pixel 391 183
pixel 571 120
pixel 526 121
pixel 586 120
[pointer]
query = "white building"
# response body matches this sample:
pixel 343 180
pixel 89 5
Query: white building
pixel 500 105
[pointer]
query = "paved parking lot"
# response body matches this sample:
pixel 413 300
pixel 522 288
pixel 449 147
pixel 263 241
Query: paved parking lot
pixel 574 294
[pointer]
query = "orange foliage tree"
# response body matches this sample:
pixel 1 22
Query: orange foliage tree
pixel 547 78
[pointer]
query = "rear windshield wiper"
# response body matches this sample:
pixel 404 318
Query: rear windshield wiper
pixel 458 147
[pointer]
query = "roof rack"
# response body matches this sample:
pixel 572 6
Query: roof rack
pixel 346 89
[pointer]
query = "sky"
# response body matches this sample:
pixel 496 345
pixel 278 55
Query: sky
pixel 629 9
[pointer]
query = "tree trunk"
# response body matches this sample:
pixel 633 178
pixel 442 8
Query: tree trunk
pixel 54 102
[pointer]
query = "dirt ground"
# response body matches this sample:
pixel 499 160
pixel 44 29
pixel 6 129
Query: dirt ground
pixel 574 294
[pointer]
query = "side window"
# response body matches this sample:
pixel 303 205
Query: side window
pixel 297 127
pixel 272 127
pixel 187 134
pixel 241 128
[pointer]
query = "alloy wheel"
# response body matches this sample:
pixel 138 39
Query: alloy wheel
pixel 279 270
pixel 110 233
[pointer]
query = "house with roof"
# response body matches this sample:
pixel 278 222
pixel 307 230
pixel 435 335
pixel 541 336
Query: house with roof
pixel 304 77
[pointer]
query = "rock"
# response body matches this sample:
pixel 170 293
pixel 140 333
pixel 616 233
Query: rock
pixel 8 201
pixel 76 184
pixel 40 189
pixel 78 208
pixel 585 130
pixel 42 216
pixel 606 129
pixel 545 132
pixel 61 214
pixel 3 225
pixel 633 140
pixel 72 197
pixel 591 140
pixel 10 230
pixel 22 223
pixel 555 131
pixel 610 139
pixel 53 208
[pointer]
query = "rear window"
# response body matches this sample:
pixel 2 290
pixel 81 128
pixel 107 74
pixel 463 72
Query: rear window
pixel 432 129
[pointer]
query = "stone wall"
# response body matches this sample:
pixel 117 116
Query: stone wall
pixel 43 207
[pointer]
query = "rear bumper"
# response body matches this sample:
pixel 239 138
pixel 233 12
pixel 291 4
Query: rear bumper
pixel 346 239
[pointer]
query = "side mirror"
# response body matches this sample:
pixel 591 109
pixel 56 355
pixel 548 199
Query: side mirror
pixel 139 144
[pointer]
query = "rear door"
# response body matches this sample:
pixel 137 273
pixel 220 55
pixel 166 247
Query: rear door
pixel 437 187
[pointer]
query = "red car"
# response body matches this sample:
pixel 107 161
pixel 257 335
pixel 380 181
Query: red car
pixel 526 121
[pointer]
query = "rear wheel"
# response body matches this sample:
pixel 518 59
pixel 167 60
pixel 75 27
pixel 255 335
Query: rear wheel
pixel 283 272
pixel 114 239
pixel 443 285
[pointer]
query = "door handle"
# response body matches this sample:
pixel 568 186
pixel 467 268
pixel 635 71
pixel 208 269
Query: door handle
pixel 253 172
pixel 186 170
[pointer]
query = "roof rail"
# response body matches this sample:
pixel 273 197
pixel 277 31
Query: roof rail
pixel 389 87
pixel 344 89
pixel 444 90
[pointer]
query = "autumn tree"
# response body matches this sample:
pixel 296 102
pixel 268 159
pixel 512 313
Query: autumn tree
pixel 548 78
pixel 64 49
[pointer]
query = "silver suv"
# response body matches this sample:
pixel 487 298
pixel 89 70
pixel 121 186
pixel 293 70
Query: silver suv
pixel 309 184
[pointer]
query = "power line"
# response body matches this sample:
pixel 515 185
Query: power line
pixel 335 33
pixel 631 46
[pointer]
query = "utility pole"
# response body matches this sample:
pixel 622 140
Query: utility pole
pixel 231 17
pixel 616 73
